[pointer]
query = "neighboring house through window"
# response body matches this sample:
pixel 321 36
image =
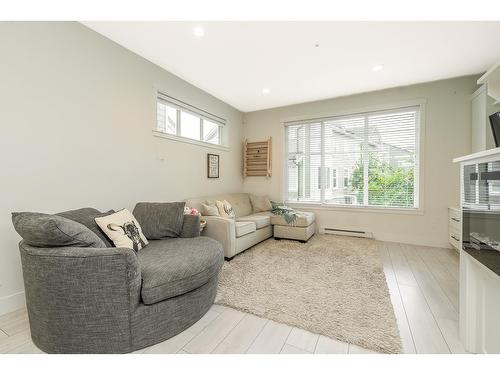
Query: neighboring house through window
pixel 366 159
pixel 346 177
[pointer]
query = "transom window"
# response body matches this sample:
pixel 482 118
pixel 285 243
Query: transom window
pixel 180 119
pixel 367 159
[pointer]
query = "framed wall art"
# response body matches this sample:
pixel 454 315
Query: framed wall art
pixel 212 166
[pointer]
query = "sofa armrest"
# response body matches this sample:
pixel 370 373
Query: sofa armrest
pixel 223 230
pixel 79 291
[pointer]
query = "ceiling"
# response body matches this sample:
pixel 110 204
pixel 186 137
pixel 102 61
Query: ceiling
pixel 306 61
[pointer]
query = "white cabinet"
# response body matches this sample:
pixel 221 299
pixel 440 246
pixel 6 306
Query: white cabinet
pixel 481 134
pixel 479 300
pixel 479 306
pixel 455 227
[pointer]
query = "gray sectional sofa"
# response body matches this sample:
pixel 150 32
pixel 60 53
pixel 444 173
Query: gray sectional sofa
pixel 114 300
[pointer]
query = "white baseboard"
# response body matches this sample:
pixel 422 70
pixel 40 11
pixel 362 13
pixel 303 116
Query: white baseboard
pixel 13 302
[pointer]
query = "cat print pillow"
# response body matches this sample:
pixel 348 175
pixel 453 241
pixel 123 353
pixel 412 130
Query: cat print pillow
pixel 123 229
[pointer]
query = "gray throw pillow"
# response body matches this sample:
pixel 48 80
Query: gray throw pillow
pixel 160 220
pixel 86 216
pixel 190 226
pixel 44 230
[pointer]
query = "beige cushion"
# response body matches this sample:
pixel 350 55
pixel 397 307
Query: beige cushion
pixel 209 209
pixel 294 233
pixel 243 243
pixel 225 209
pixel 244 227
pixel 304 219
pixel 261 220
pixel 123 229
pixel 260 203
pixel 241 204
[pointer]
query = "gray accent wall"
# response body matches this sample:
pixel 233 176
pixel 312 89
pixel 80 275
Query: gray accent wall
pixel 77 113
pixel 447 134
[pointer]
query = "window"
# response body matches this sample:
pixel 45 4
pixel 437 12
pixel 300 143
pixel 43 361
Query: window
pixel 190 125
pixel 326 178
pixel 371 159
pixel 210 132
pixel 167 119
pixel 182 120
pixel 494 187
pixel 346 177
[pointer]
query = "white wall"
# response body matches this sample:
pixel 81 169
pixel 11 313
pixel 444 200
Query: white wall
pixel 76 116
pixel 447 135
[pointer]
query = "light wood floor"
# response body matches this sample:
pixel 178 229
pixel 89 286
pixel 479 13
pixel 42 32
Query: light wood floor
pixel 423 283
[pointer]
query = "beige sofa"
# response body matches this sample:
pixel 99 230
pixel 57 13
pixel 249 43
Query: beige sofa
pixel 247 229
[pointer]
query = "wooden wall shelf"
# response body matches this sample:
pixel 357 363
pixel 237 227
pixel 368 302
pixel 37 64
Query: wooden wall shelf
pixel 257 158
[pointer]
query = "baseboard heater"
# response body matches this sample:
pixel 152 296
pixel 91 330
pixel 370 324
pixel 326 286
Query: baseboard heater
pixel 346 232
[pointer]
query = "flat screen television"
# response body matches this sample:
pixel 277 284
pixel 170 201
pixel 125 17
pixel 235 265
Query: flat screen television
pixel 495 127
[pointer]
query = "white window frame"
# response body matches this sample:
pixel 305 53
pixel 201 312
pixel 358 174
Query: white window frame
pixel 419 159
pixel 324 179
pixel 203 115
pixel 335 179
pixel 345 178
pixel 494 189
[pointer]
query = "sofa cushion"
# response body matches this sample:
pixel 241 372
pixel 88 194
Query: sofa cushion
pixel 225 209
pixel 244 227
pixel 171 267
pixel 260 203
pixel 44 230
pixel 304 219
pixel 209 209
pixel 261 220
pixel 86 216
pixel 190 226
pixel 123 229
pixel 241 204
pixel 160 220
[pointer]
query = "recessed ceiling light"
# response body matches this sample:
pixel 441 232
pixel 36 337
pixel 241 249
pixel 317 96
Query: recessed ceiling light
pixel 198 31
pixel 266 91
pixel 377 68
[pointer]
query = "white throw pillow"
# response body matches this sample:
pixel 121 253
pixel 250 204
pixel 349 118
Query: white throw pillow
pixel 123 229
pixel 209 209
pixel 260 203
pixel 225 209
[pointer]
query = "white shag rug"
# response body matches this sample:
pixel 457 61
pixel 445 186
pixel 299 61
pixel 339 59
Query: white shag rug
pixel 331 285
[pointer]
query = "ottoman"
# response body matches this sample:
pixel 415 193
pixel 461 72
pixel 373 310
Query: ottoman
pixel 303 228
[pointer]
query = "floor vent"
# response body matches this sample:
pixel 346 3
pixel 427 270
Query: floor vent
pixel 346 232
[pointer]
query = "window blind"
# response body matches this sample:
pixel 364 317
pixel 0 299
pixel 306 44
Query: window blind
pixel 367 159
